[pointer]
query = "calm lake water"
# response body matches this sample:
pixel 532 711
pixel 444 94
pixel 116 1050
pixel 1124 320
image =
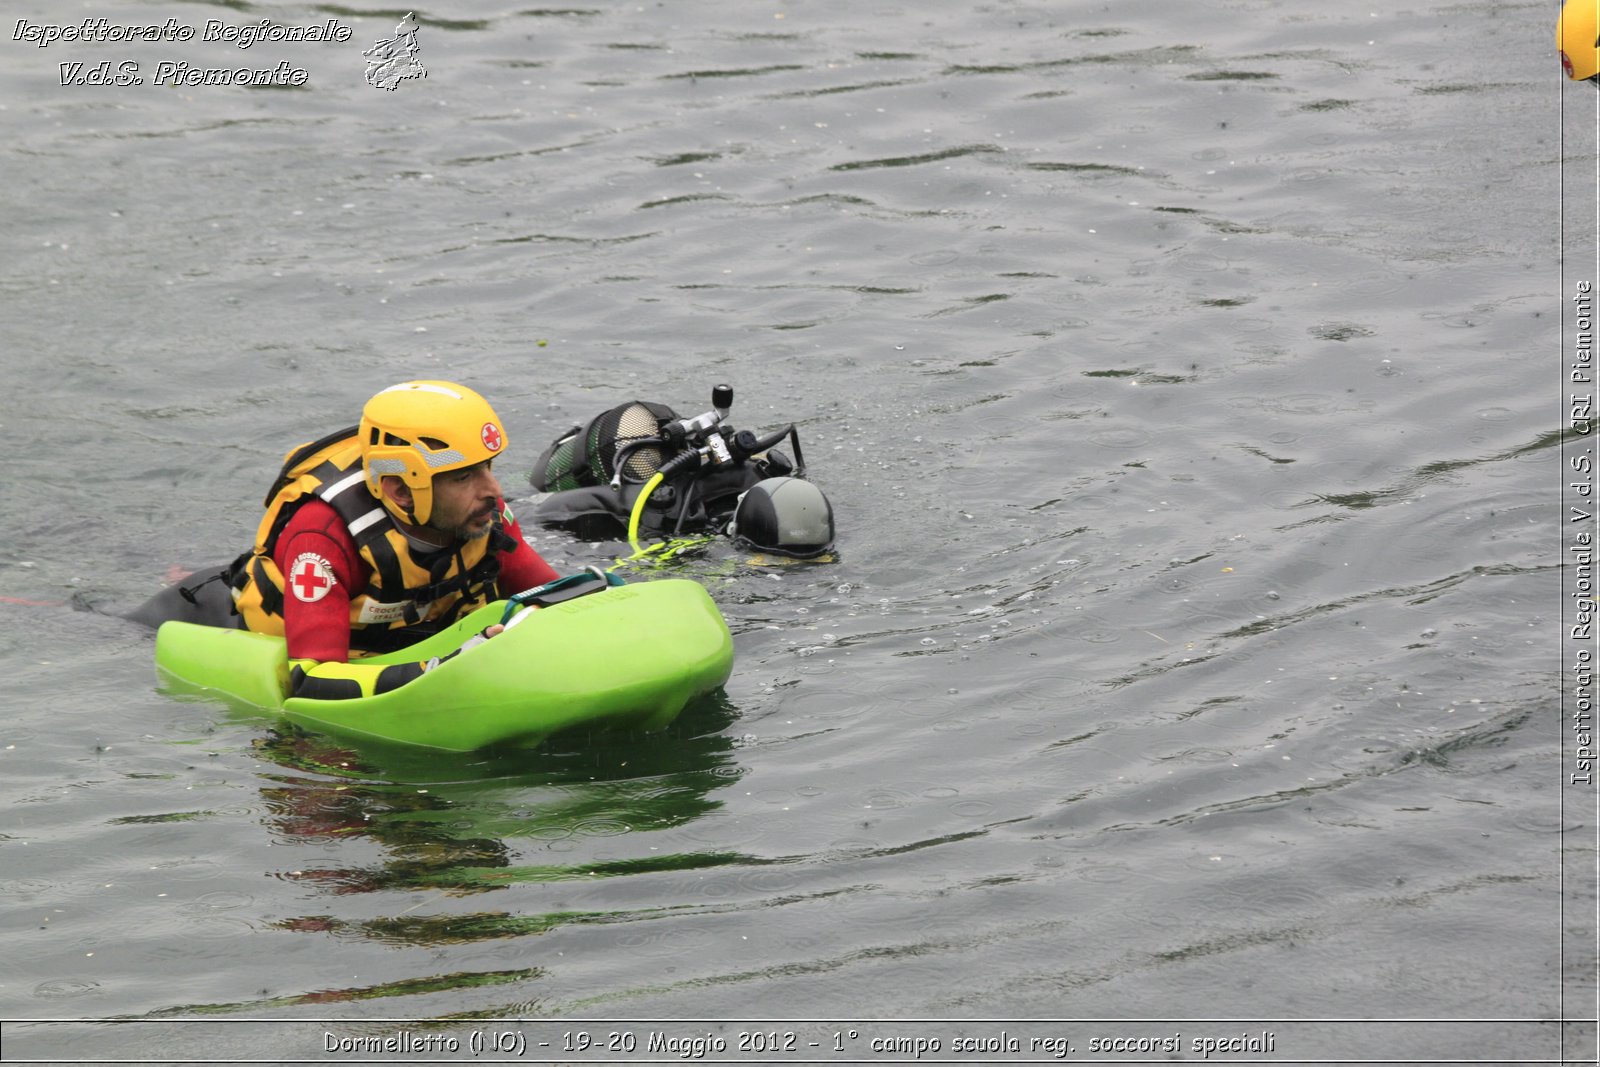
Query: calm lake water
pixel 1190 380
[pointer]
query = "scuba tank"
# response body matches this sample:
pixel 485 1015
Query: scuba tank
pixel 691 473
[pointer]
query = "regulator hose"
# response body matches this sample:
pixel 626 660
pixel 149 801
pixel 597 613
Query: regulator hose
pixel 638 510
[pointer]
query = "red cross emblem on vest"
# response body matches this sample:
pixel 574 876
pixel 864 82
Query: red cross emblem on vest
pixel 492 438
pixel 311 576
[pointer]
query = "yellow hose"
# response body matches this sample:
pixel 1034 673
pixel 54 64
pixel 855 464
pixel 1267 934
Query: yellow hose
pixel 661 550
pixel 638 510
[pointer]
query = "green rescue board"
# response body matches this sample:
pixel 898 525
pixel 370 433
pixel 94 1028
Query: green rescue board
pixel 629 657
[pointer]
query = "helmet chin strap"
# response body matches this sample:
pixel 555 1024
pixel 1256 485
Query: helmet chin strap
pixel 400 500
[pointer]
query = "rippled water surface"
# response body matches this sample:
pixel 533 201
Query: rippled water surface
pixel 1186 377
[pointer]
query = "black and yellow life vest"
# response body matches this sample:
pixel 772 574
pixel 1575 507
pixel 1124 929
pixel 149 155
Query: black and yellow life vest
pixel 412 593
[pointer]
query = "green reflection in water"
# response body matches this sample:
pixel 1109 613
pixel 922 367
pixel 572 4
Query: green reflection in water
pixel 403 987
pixel 455 824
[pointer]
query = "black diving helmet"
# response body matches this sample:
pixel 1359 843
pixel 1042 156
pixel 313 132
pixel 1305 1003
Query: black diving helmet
pixel 784 516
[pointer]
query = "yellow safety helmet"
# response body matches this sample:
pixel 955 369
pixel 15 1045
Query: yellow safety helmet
pixel 416 430
pixel 1578 38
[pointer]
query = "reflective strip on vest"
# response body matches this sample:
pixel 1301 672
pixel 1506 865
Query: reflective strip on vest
pixel 373 516
pixel 328 492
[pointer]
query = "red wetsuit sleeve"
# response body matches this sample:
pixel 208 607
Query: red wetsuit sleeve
pixel 316 614
pixel 521 567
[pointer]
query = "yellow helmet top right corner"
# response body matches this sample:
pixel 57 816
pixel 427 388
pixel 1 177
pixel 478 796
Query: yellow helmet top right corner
pixel 1577 30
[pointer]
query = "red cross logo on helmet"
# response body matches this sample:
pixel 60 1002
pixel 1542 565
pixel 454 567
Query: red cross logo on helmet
pixel 492 438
